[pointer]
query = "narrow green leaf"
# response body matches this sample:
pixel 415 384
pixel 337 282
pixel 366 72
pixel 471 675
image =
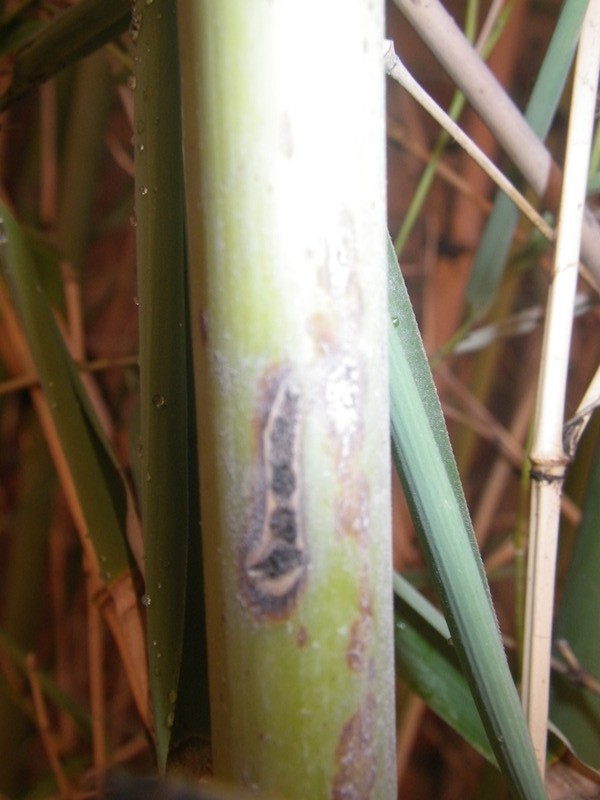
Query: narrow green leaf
pixel 424 460
pixel 169 483
pixel 16 27
pixel 93 469
pixel 593 186
pixel 455 109
pixel 575 709
pixel 74 34
pixel 427 663
pixel 496 239
pixel 85 130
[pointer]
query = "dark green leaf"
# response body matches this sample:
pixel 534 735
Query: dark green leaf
pixel 74 34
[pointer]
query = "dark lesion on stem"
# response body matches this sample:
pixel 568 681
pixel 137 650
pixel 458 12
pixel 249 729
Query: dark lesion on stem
pixel 273 555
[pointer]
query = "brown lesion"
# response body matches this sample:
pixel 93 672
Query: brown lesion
pixel 355 754
pixel 203 325
pixel 352 504
pixel 273 555
pixel 361 634
pixel 320 330
pixel 301 636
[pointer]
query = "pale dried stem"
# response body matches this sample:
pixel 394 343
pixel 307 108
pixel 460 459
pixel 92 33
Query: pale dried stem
pixel 569 509
pixel 495 486
pixel 482 419
pixel 465 222
pixel 575 427
pixel 397 133
pixel 478 418
pixel 488 24
pixel 18 359
pixel 548 456
pixel 502 556
pixel 118 603
pixel 74 337
pixel 58 546
pixel 96 673
pixel 488 97
pixel 571 668
pixel 398 71
pixel 131 749
pixel 26 379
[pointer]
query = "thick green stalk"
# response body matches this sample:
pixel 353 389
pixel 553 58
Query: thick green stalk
pixel 283 146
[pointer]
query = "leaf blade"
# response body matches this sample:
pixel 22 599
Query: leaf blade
pixel 424 460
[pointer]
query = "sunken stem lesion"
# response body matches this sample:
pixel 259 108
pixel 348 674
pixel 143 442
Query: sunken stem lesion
pixel 273 550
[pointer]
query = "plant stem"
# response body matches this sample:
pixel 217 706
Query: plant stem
pixel 283 146
pixel 439 31
pixel 548 458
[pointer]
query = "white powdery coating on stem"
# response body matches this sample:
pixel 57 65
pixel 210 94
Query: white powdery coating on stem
pixel 342 393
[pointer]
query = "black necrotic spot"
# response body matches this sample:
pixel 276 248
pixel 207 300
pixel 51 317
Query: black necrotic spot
pixel 283 524
pixel 283 480
pixel 280 561
pixel 282 433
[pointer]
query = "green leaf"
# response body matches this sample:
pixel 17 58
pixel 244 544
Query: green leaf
pixel 593 186
pixel 427 663
pixel 74 34
pixel 169 486
pixel 93 472
pixel 424 461
pixel 92 466
pixel 574 709
pixel 16 28
pixel 497 235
